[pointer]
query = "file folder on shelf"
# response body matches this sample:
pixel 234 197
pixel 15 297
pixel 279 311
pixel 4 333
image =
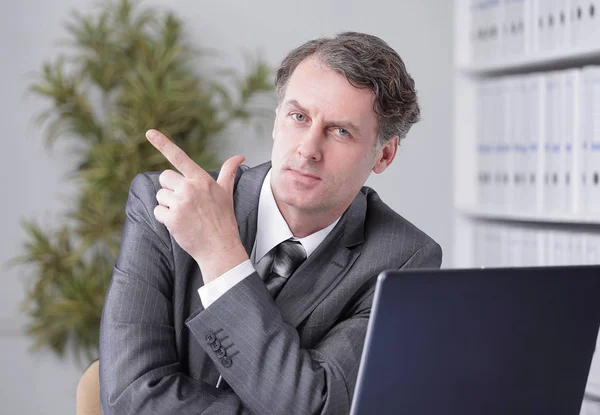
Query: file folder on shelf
pixel 502 30
pixel 553 144
pixel 591 141
pixel 503 245
pixel 572 114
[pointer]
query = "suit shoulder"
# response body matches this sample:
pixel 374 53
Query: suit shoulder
pixel 145 185
pixel 145 180
pixel 385 223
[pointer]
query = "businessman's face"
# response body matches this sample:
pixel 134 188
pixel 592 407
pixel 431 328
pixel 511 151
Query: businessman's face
pixel 324 142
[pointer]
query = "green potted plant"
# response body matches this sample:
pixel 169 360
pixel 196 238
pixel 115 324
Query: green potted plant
pixel 131 70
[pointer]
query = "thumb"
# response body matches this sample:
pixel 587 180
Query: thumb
pixel 226 177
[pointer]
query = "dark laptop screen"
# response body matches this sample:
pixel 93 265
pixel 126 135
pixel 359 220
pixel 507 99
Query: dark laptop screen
pixel 492 341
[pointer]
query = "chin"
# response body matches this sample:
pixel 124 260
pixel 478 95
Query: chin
pixel 300 201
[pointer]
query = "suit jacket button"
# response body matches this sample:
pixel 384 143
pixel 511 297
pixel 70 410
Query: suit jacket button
pixel 210 337
pixel 215 345
pixel 221 353
pixel 226 361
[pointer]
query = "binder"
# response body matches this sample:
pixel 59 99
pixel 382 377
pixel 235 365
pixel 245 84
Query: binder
pixel 529 26
pixel 563 24
pixel 542 8
pixel 476 26
pixel 551 25
pixel 502 161
pixel 590 186
pixel 516 247
pixel 484 140
pixel 498 17
pixel 571 155
pixel 495 245
pixel 516 161
pixel 514 28
pixel 507 32
pixel 557 248
pixel 507 141
pixel 590 19
pixel 489 138
pixel 592 248
pixel 553 144
pixel 530 247
pixel 535 130
pixel 502 255
pixel 569 247
pixel 520 7
pixel 578 249
pixel 478 246
pixel 578 36
pixel 542 238
pixel 485 34
pixel 494 15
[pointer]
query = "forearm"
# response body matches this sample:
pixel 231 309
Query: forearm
pixel 268 369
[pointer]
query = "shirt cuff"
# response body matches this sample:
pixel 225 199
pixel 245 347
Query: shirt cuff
pixel 211 292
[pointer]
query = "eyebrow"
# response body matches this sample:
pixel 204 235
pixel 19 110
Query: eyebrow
pixel 347 125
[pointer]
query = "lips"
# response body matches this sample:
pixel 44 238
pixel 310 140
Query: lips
pixel 304 177
pixel 306 174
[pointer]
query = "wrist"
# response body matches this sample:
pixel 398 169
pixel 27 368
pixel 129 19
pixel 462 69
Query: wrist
pixel 217 263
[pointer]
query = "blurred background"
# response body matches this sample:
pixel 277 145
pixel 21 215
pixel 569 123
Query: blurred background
pixel 36 184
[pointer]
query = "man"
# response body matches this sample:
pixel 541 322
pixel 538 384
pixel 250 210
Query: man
pixel 251 293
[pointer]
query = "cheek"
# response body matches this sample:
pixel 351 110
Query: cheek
pixel 352 172
pixel 283 146
pixel 278 152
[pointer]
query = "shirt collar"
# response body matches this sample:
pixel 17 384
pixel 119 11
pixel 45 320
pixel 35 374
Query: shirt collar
pixel 272 229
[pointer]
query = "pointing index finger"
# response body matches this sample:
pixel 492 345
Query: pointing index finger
pixel 175 155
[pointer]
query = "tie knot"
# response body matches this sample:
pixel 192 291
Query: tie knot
pixel 288 256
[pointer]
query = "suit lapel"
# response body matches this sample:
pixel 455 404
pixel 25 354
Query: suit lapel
pixel 245 203
pixel 324 269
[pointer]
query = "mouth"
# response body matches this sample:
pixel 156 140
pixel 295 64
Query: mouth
pixel 304 176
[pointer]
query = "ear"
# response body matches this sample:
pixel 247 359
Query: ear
pixel 386 155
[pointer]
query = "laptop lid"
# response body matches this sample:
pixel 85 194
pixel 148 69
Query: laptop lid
pixel 479 341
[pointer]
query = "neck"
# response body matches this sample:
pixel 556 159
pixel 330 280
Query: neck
pixel 303 224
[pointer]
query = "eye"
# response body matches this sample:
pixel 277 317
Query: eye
pixel 298 117
pixel 343 133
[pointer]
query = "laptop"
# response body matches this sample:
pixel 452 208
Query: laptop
pixel 479 341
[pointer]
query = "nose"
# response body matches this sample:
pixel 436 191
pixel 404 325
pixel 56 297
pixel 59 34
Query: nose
pixel 311 144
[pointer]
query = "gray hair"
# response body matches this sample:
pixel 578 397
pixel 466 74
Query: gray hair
pixel 366 61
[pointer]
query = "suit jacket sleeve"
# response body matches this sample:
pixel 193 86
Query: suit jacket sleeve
pixel 268 368
pixel 139 367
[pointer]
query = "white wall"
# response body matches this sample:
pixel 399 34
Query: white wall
pixel 418 185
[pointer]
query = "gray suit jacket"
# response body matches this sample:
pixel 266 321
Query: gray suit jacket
pixel 161 352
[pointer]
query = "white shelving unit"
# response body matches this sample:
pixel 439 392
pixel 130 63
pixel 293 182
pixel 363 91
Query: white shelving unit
pixel 470 71
pixel 575 56
pixel 529 217
pixel 517 236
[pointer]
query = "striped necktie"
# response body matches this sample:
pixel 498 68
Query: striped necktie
pixel 289 254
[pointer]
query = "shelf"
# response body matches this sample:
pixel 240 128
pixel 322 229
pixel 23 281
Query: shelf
pixel 529 217
pixel 553 60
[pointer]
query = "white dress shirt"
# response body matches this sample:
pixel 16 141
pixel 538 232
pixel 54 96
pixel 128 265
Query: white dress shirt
pixel 271 230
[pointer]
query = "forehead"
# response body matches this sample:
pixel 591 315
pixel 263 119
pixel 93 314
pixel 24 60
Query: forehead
pixel 328 94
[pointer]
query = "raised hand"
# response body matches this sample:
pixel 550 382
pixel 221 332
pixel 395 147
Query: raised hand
pixel 197 210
